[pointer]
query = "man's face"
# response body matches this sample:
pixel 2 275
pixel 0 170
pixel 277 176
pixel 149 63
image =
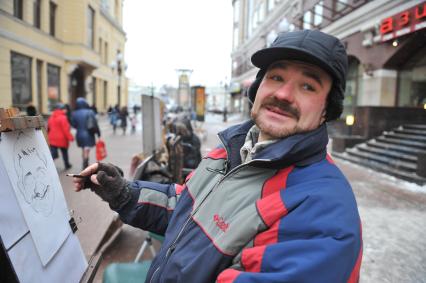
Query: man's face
pixel 291 99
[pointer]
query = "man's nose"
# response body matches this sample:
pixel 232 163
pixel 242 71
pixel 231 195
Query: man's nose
pixel 286 91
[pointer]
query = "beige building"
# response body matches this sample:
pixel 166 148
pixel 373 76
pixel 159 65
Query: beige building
pixel 58 50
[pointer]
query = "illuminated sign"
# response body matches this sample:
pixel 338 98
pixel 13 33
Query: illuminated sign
pixel 199 101
pixel 406 22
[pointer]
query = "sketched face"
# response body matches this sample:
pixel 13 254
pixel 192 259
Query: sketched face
pixel 33 179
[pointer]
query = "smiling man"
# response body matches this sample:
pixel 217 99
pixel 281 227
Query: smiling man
pixel 269 204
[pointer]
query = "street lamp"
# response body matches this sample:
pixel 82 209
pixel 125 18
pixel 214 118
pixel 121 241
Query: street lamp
pixel 225 109
pixel 118 63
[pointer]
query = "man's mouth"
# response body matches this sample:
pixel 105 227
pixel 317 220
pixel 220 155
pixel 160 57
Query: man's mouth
pixel 278 110
pixel 42 194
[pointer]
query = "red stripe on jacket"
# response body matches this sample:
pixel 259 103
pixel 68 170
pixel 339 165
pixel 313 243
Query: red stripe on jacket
pixel 329 159
pixel 218 153
pixel 269 236
pixel 277 182
pixel 271 209
pixel 354 278
pixel 251 258
pixel 228 275
pixel 179 188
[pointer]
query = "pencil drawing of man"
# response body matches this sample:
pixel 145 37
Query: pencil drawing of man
pixel 33 179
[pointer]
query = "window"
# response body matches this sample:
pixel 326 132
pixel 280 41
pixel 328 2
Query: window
pixel 53 85
pixel 39 84
pixel 105 4
pixel 106 53
pixel 18 9
pixel 94 91
pixel 21 80
pixel 249 18
pixel 100 47
pixel 412 80
pixel 52 18
pixel 236 37
pixel 105 94
pixel 117 9
pixel 271 4
pixel 91 27
pixel 340 5
pixel 236 11
pixel 307 20
pixel 37 13
pixel 318 10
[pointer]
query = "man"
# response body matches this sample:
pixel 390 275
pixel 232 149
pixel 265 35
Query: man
pixel 268 205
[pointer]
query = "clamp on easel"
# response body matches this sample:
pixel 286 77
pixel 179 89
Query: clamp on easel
pixel 10 121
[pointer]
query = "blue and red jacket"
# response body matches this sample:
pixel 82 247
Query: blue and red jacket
pixel 288 215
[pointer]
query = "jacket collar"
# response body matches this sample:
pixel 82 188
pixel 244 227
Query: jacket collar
pixel 299 149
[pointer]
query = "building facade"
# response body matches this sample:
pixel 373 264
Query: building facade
pixel 58 50
pixel 385 42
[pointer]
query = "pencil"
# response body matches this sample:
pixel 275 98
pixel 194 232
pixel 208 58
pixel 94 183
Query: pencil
pixel 77 176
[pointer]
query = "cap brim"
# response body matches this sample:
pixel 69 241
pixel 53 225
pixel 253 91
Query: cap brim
pixel 265 57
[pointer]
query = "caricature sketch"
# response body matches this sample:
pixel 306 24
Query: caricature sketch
pixel 25 157
pixel 33 179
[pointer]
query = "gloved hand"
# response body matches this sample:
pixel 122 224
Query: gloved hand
pixel 112 186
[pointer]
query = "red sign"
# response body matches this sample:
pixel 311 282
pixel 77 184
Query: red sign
pixel 403 23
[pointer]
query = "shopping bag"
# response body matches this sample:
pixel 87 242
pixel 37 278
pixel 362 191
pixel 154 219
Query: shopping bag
pixel 100 150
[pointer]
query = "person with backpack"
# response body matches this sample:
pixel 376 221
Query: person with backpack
pixel 83 119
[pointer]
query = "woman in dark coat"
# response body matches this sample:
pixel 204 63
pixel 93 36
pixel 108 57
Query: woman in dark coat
pixel 79 120
pixel 124 114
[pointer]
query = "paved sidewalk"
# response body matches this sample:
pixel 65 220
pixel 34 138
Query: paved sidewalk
pixel 93 216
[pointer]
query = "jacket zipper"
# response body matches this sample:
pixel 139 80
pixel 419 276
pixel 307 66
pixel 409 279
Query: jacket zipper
pixel 172 247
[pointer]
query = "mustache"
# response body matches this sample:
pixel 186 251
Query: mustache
pixel 283 105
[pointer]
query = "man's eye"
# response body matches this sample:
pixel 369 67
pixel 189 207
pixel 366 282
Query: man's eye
pixel 308 87
pixel 276 78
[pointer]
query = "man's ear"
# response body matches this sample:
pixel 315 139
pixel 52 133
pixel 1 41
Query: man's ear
pixel 323 116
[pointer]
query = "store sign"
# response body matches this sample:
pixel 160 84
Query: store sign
pixel 406 22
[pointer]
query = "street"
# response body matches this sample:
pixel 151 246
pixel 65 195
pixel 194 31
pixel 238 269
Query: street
pixel 392 211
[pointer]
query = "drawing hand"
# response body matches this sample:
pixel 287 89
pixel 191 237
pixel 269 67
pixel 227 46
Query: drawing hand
pixel 109 184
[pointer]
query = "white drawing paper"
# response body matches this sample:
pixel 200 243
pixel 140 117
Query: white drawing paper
pixel 12 222
pixel 34 178
pixel 67 266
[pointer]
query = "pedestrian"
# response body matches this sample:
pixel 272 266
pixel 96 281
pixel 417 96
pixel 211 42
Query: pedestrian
pixel 85 136
pixel 68 112
pixel 123 115
pixel 133 123
pixel 114 117
pixel 31 110
pixel 94 108
pixel 269 204
pixel 59 134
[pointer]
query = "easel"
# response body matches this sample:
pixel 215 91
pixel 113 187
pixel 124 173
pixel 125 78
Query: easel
pixel 10 121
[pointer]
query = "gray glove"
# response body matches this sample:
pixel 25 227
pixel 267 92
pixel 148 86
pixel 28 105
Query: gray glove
pixel 113 187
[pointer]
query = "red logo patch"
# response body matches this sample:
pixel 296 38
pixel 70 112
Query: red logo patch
pixel 220 222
